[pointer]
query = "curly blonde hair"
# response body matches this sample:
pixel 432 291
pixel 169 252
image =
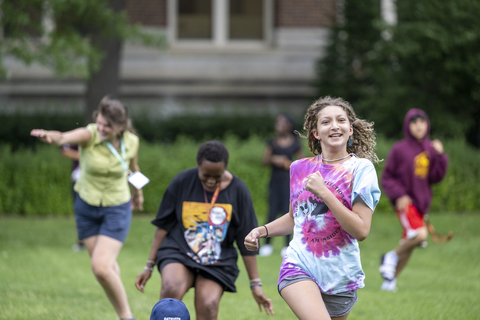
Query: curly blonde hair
pixel 363 144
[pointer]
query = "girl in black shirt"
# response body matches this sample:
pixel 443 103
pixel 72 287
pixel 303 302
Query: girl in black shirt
pixel 204 211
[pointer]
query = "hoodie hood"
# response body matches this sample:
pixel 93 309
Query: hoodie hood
pixel 406 126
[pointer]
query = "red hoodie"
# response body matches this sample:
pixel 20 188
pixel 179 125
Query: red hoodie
pixel 413 166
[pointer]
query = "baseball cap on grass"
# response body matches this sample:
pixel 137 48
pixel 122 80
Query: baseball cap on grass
pixel 170 309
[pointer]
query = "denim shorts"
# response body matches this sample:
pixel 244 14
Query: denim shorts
pixel 113 222
pixel 337 305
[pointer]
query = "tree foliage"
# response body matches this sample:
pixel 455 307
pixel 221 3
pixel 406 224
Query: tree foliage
pixel 66 46
pixel 429 60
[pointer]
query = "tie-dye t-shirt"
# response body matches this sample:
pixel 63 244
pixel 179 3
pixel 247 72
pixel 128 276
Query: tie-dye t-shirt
pixel 320 247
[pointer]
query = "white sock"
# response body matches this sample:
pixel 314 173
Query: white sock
pixel 392 256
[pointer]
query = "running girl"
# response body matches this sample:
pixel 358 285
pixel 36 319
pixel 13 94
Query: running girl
pixel 332 198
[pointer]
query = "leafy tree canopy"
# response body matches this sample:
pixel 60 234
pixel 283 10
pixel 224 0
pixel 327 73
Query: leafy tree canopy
pixel 58 33
pixel 429 60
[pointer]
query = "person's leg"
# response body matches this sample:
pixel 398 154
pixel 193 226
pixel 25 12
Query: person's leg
pixel 305 300
pixel 414 234
pixel 404 251
pixel 272 207
pixel 207 298
pixel 176 281
pixel 267 248
pixel 283 206
pixel 79 245
pixel 104 252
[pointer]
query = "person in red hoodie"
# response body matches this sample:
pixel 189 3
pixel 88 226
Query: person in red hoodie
pixel 413 165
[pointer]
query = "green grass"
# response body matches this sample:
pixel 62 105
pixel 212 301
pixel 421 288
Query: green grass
pixel 42 278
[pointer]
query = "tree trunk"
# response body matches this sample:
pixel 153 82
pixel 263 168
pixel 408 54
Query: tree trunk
pixel 106 79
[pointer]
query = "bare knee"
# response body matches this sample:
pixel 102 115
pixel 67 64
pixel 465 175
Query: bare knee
pixel 171 289
pixel 422 235
pixel 206 307
pixel 101 270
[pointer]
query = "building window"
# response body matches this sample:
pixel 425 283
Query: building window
pixel 194 19
pixel 246 19
pixel 220 23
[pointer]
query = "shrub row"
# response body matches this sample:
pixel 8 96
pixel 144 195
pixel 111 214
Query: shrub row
pixel 38 182
pixel 15 128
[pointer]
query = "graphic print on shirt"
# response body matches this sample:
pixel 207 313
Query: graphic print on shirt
pixel 205 234
pixel 321 233
pixel 421 164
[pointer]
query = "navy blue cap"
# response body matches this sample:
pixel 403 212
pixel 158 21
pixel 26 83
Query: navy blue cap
pixel 170 309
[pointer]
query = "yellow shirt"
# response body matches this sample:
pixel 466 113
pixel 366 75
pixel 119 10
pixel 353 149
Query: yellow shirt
pixel 103 182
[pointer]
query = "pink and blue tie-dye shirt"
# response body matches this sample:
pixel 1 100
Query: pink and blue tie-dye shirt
pixel 320 247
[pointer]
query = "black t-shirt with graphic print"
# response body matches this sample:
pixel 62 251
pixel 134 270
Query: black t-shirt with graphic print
pixel 201 240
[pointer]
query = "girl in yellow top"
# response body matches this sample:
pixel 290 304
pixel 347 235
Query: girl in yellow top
pixel 103 207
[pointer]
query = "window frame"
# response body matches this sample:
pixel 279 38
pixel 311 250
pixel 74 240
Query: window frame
pixel 220 29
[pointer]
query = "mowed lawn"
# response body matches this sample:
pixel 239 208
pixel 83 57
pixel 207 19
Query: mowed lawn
pixel 41 277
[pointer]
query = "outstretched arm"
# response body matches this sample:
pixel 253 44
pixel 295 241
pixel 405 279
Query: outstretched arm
pixel 279 227
pixel 77 136
pixel 256 286
pixel 70 153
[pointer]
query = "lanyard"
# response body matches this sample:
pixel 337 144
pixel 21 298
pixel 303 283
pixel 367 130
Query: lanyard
pixel 115 153
pixel 214 199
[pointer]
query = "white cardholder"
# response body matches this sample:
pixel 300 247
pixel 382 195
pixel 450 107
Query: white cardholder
pixel 138 179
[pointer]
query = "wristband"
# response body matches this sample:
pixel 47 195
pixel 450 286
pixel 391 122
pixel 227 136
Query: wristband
pixel 255 283
pixel 148 268
pixel 266 236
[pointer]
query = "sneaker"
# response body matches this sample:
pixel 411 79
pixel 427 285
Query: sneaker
pixel 389 285
pixel 266 250
pixel 388 265
pixel 78 247
pixel 283 251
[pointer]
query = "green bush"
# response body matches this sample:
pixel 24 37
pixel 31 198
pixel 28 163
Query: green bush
pixel 201 128
pixel 15 128
pixel 34 183
pixel 38 183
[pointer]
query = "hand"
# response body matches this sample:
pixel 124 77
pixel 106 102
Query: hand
pixel 402 203
pixel 315 184
pixel 142 279
pixel 137 201
pixel 262 300
pixel 41 134
pixel 251 240
pixel 279 160
pixel 438 146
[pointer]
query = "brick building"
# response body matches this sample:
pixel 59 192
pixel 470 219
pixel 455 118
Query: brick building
pixel 230 47
pixel 216 48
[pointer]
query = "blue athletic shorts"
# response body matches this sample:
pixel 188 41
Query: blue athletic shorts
pixel 113 222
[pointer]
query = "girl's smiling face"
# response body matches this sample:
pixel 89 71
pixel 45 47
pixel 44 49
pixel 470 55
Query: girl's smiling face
pixel 211 174
pixel 105 129
pixel 333 128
